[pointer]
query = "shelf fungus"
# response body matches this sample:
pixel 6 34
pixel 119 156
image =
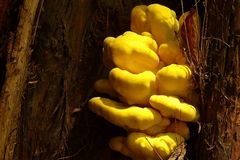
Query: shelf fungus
pixel 149 79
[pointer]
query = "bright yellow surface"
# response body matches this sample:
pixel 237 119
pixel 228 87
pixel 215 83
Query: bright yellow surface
pixel 158 128
pixel 170 53
pixel 157 19
pixel 133 88
pixel 145 146
pixel 132 52
pixel 174 80
pixel 139 19
pixel 172 107
pixel 128 117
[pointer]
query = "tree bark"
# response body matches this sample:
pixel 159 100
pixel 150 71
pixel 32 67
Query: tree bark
pixel 16 75
pixel 219 138
pixel 57 79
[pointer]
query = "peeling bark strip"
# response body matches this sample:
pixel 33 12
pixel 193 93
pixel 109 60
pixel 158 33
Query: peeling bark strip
pixel 220 82
pixel 12 92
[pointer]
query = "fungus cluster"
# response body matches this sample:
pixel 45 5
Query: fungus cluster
pixel 148 80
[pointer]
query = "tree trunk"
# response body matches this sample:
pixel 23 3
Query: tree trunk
pixel 50 56
pixel 219 138
pixel 16 75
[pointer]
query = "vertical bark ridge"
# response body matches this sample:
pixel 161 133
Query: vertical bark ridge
pixel 220 110
pixel 16 74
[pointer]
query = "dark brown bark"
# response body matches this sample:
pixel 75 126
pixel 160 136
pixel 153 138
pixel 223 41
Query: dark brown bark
pixel 55 86
pixel 4 7
pixel 219 138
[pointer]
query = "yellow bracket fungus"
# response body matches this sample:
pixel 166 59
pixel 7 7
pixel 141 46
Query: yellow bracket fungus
pixel 148 74
pixel 128 117
pixel 157 19
pixel 180 128
pixel 133 88
pixel 170 53
pixel 139 19
pixel 130 51
pixel 172 107
pixel 140 146
pixel 158 128
pixel 174 80
pixel 120 144
pixel 104 86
